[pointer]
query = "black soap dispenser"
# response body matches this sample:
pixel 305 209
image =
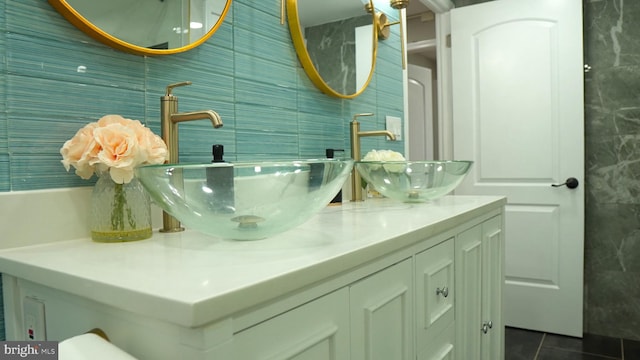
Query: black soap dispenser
pixel 330 153
pixel 220 181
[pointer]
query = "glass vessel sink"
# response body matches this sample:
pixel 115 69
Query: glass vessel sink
pixel 244 200
pixel 413 181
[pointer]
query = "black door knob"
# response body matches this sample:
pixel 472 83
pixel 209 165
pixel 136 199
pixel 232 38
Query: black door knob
pixel 571 183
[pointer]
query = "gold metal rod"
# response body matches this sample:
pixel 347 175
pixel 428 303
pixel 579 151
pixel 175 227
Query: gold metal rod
pixel 356 191
pixel 282 11
pixel 402 40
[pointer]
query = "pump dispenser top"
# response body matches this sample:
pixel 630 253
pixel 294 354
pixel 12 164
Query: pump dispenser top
pixel 218 153
pixel 220 181
pixel 330 153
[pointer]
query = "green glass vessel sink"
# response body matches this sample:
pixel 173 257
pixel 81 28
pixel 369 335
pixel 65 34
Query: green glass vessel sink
pixel 413 181
pixel 245 200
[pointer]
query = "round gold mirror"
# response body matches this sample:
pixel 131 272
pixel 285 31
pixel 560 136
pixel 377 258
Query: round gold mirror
pixel 336 43
pixel 146 27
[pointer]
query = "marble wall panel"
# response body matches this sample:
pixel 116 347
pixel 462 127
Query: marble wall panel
pixel 612 140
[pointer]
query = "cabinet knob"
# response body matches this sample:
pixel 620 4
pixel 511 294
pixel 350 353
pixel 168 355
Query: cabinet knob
pixel 444 291
pixel 486 326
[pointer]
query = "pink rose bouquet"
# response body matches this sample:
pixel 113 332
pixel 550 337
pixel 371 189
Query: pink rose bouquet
pixel 115 145
pixel 112 144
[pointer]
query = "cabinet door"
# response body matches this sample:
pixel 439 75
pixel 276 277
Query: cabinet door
pixel 492 283
pixel 318 330
pixel 435 292
pixel 479 279
pixel 469 293
pixel 381 308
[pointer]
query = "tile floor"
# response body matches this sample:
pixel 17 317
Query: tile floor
pixel 531 345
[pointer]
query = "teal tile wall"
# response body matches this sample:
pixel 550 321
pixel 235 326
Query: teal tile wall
pixel 4 133
pixel 55 79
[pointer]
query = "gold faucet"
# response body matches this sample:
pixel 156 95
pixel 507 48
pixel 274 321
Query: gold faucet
pixel 356 134
pixel 169 120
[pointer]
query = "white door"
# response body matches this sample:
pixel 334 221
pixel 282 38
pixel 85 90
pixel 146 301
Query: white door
pixel 421 128
pixel 518 113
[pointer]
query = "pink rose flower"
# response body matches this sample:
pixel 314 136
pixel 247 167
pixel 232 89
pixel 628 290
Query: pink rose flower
pixel 79 151
pixel 115 119
pixel 158 153
pixel 112 144
pixel 119 151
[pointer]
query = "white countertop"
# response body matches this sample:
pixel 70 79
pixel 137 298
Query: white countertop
pixel 190 278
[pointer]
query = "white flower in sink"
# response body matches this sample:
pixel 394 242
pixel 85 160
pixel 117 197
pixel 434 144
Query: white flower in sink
pixel 386 155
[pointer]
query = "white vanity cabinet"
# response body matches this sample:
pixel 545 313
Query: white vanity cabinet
pixel 479 278
pixel 443 302
pixel 398 282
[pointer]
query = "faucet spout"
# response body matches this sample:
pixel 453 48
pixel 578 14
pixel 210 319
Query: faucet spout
pixel 170 119
pixel 356 134
pixel 216 121
pixel 386 133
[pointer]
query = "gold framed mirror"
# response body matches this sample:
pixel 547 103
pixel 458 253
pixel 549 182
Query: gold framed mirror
pixel 336 42
pixel 146 27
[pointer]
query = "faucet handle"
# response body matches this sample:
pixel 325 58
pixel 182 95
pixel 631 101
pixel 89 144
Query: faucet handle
pixel 171 86
pixel 356 116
